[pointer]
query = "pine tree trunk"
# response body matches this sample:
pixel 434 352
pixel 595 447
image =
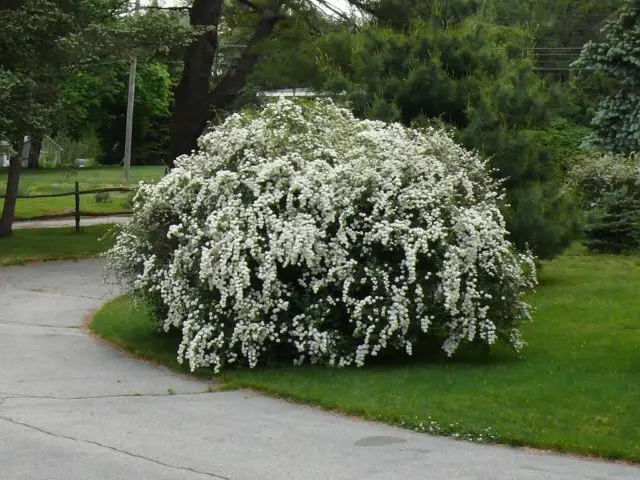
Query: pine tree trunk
pixel 13 181
pixel 35 147
pixel 195 102
pixel 191 106
pixel 229 88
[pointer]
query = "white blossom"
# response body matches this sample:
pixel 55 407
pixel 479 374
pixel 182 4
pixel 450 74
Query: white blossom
pixel 303 231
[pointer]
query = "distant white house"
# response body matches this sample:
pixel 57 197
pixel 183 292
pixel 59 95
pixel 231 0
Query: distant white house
pixel 297 92
pixel 50 153
pixel 4 158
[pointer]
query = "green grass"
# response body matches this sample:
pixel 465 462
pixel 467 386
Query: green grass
pixel 42 244
pixel 61 180
pixel 576 387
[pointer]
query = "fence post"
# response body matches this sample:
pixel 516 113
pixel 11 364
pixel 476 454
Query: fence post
pixel 77 195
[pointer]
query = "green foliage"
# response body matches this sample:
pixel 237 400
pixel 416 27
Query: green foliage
pixel 478 77
pixel 400 13
pixel 96 105
pixel 150 123
pixel 87 147
pixel 81 98
pixel 103 197
pixel 128 203
pixel 57 59
pixel 31 50
pixel 541 215
pixel 618 117
pixel 288 58
pixel 558 23
pixel 553 24
pixel 563 140
pixel 45 42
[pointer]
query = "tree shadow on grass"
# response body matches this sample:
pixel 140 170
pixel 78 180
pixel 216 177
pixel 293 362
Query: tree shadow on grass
pixel 429 352
pixel 547 281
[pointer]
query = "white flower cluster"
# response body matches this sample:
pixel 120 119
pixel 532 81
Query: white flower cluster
pixel 595 176
pixel 301 232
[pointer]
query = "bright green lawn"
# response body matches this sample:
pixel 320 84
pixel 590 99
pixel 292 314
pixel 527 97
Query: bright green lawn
pixel 45 181
pixel 576 387
pixel 37 244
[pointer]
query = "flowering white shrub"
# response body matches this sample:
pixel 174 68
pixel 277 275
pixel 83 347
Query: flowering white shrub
pixel 301 232
pixel 608 186
pixel 593 177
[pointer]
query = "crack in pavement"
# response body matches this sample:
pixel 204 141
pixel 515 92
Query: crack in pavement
pixel 114 449
pixel 22 324
pixel 59 294
pixel 18 396
pixel 159 375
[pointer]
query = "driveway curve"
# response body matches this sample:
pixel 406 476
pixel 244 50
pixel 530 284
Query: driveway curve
pixel 73 408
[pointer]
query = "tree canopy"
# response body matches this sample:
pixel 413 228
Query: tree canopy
pixel 480 79
pixel 43 46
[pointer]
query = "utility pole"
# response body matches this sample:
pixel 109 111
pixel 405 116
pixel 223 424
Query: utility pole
pixel 130 99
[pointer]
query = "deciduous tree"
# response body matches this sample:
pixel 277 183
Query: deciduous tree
pixel 42 43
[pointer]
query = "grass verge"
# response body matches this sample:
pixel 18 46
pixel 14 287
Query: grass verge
pixel 42 244
pixel 575 389
pixel 129 325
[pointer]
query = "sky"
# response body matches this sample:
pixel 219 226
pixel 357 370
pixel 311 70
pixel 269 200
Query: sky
pixel 341 5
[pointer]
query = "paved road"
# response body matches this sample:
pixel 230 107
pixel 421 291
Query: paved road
pixel 70 222
pixel 73 408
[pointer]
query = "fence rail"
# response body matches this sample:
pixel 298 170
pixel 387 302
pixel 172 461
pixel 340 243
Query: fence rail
pixel 76 193
pixel 81 192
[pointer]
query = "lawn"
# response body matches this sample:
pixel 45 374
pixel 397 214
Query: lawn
pixel 39 244
pixel 61 180
pixel 576 387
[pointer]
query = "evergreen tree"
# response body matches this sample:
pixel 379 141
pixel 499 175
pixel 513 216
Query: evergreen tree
pixel 479 78
pixel 618 117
